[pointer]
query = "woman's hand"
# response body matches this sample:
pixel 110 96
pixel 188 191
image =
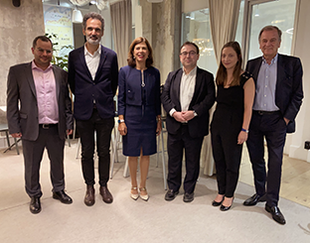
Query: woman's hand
pixel 122 128
pixel 243 136
pixel 159 127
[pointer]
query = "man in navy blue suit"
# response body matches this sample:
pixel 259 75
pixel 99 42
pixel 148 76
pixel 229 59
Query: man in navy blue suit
pixel 277 101
pixel 93 77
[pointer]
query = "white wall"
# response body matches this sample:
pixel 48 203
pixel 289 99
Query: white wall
pixel 295 142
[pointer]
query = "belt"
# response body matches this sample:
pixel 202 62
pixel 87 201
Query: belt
pixel 266 112
pixel 47 126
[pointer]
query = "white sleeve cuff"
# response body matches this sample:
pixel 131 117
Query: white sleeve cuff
pixel 172 111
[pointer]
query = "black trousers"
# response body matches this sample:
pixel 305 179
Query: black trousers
pixel 272 127
pixel 87 129
pixel 227 156
pixel 33 152
pixel 176 144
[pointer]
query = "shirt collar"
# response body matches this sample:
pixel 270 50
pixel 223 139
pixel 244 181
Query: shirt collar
pixel 34 66
pixel 97 52
pixel 191 73
pixel 273 61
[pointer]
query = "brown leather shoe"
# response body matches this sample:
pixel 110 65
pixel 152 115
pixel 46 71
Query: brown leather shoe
pixel 89 199
pixel 106 195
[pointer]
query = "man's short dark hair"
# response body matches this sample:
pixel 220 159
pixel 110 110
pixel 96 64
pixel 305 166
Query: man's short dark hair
pixel 92 15
pixel 190 43
pixel 42 38
pixel 268 28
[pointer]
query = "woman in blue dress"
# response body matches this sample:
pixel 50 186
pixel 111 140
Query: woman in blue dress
pixel 231 119
pixel 139 111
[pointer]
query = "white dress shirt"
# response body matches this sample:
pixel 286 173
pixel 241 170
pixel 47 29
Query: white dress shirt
pixel 187 88
pixel 92 61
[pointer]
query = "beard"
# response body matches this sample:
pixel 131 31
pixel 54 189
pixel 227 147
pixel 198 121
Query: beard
pixel 92 41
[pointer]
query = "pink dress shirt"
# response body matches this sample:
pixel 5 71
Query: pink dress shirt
pixel 45 84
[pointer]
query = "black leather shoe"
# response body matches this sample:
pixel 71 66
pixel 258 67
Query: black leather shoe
pixel 106 195
pixel 62 196
pixel 170 195
pixel 35 205
pixel 254 200
pixel 276 214
pixel 188 197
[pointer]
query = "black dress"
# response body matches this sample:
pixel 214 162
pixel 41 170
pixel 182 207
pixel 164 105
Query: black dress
pixel 225 128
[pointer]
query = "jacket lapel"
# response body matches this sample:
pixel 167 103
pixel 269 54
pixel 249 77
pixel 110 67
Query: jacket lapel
pixel 103 58
pixel 177 86
pixel 83 61
pixel 256 69
pixel 57 78
pixel 198 86
pixel 29 77
pixel 281 73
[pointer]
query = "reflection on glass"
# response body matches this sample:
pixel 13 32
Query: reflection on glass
pixel 264 14
pixel 196 28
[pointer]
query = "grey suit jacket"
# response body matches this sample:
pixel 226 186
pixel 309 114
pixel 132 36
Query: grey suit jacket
pixel 22 107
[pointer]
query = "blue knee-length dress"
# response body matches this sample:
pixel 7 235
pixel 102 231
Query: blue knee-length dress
pixel 139 103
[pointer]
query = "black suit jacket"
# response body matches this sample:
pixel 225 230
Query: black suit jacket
pixel 202 101
pixel 86 90
pixel 21 90
pixel 289 93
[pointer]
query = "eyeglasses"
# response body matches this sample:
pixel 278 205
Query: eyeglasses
pixel 191 53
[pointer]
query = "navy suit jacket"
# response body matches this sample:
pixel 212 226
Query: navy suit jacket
pixel 86 90
pixel 21 90
pixel 130 88
pixel 203 99
pixel 289 93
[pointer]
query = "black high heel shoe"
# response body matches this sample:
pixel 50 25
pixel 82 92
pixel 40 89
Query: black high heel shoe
pixel 226 208
pixel 216 204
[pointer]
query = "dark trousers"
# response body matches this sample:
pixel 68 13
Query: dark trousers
pixel 227 157
pixel 87 129
pixel 176 144
pixel 33 152
pixel 272 127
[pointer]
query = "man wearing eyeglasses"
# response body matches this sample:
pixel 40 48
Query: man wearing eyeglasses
pixel 39 112
pixel 187 96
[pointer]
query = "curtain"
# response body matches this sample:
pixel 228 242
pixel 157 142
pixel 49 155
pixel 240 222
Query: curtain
pixel 121 17
pixel 223 21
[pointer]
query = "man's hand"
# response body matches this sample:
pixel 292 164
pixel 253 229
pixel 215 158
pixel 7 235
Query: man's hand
pixel 286 120
pixel 188 115
pixel 178 116
pixel 69 132
pixel 17 135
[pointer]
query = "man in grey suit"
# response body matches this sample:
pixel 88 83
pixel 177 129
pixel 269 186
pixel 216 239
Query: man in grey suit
pixel 39 112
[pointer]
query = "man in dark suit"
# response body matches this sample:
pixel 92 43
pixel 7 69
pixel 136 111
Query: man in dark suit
pixel 39 112
pixel 93 78
pixel 188 94
pixel 277 101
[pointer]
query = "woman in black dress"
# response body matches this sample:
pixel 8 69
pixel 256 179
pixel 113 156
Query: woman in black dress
pixel 231 119
pixel 139 111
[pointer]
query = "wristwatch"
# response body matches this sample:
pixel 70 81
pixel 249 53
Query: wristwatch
pixel 120 121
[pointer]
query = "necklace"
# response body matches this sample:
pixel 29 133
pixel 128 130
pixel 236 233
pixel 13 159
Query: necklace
pixel 142 83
